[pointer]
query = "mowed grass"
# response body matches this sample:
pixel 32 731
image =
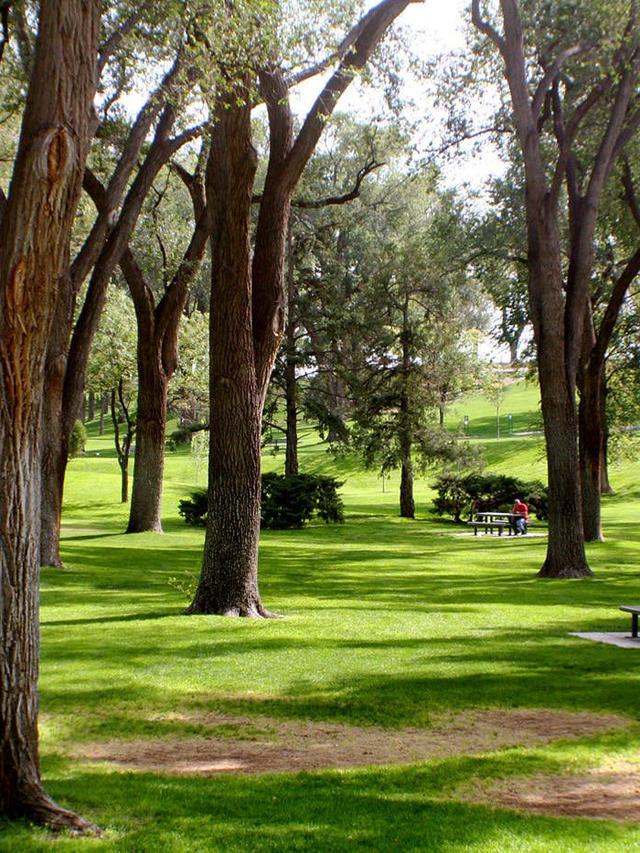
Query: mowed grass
pixel 388 622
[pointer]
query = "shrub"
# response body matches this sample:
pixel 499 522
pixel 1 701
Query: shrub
pixel 77 440
pixel 288 501
pixel 194 509
pixel 458 495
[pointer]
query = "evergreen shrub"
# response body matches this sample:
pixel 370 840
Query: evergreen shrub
pixel 464 495
pixel 77 440
pixel 288 501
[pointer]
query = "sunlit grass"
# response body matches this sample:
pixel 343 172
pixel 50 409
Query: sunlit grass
pixel 388 622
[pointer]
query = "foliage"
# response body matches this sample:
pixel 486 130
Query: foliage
pixel 291 500
pixel 288 501
pixel 476 492
pixel 77 439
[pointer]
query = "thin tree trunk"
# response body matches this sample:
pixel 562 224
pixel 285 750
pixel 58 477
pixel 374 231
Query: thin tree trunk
pixel 103 411
pixel 124 480
pixel 92 406
pixel 34 245
pixel 146 498
pixel 605 484
pixel 591 450
pixel 407 502
pixel 291 383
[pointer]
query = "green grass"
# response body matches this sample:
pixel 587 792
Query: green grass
pixel 388 622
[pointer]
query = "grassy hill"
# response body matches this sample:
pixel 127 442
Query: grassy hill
pixel 392 628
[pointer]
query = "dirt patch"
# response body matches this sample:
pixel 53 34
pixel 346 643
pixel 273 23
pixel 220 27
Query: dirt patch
pixel 294 746
pixel 611 792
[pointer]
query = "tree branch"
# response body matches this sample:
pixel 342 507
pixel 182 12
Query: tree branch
pixel 119 34
pixel 370 31
pixel 485 27
pixel 551 74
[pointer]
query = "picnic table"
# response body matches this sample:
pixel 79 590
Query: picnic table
pixel 492 521
pixel 634 610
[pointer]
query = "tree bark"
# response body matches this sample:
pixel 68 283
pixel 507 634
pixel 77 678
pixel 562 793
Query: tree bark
pixel 591 448
pixel 557 308
pixel 565 556
pixel 157 358
pixel 101 252
pixel 407 502
pixel 291 382
pixel 229 579
pixel 248 307
pixel 34 245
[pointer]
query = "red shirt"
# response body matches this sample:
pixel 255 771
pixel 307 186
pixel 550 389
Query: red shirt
pixel 521 508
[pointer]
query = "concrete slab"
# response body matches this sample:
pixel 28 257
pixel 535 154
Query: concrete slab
pixel 621 639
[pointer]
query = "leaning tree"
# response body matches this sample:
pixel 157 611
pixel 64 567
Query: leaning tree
pixel 35 231
pixel 248 295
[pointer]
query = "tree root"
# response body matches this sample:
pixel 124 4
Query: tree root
pixel 43 811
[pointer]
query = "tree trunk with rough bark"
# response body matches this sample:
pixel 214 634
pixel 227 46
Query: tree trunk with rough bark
pixel 34 244
pixel 157 357
pixel 101 253
pixel 565 556
pixel 229 580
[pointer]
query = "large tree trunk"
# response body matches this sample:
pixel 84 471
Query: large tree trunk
pixel 229 579
pixel 566 556
pixel 34 244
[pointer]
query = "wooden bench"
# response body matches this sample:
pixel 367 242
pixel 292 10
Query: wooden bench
pixel 489 525
pixel 634 610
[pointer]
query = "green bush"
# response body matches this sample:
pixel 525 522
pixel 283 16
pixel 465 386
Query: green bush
pixel 77 440
pixel 464 495
pixel 288 501
pixel 194 509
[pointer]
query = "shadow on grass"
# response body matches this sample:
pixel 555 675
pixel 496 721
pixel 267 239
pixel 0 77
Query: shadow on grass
pixel 380 809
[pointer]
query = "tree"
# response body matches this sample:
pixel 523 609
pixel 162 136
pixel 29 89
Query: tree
pixel 35 232
pixel 411 354
pixel 554 86
pixel 248 302
pixel 158 330
pixel 125 165
pixel 112 371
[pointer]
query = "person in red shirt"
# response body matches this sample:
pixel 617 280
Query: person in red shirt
pixel 521 511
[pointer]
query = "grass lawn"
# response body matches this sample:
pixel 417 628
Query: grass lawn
pixel 390 623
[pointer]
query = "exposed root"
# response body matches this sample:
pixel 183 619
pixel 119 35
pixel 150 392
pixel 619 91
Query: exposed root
pixel 565 572
pixel 43 811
